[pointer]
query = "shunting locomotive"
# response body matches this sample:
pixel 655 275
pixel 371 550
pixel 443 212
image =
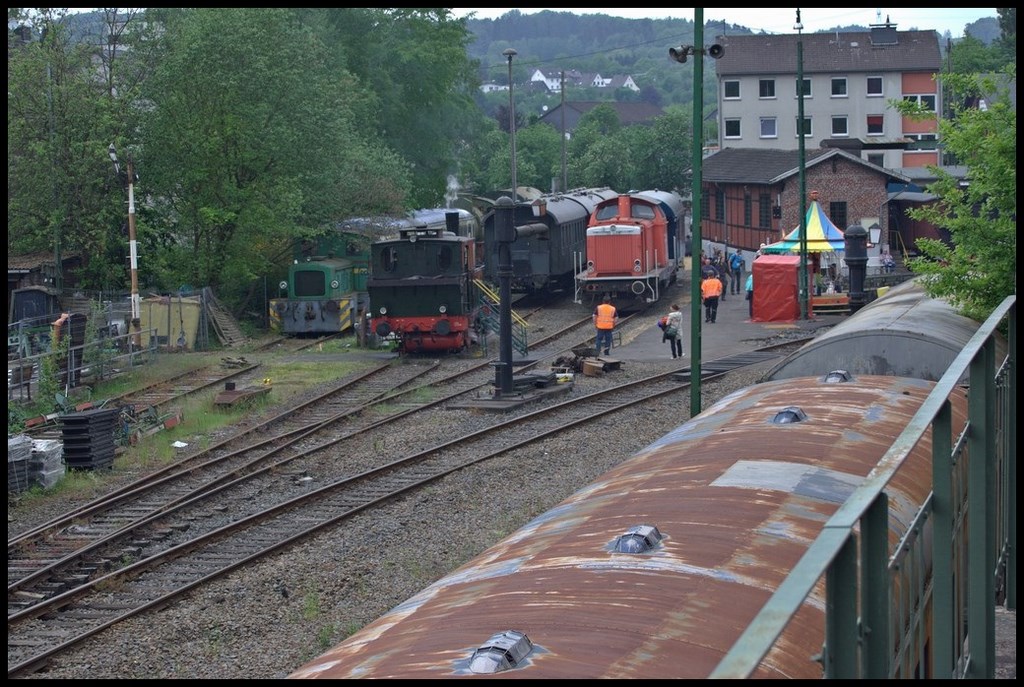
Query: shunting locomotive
pixel 633 249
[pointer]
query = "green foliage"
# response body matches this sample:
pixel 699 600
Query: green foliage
pixel 251 141
pixel 62 194
pixel 978 270
pixel 51 377
pixel 325 637
pixel 98 353
pixel 970 55
pixel 310 605
pixel 16 417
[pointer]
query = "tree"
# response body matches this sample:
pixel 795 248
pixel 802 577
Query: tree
pixel 62 195
pixel 415 63
pixel 538 156
pixel 970 55
pixel 978 270
pixel 252 140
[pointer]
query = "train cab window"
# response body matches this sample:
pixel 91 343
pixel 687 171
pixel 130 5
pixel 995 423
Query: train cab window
pixel 389 259
pixel 310 283
pixel 444 258
pixel 642 212
pixel 608 212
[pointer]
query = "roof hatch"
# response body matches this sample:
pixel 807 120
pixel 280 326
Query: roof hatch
pixel 503 651
pixel 639 539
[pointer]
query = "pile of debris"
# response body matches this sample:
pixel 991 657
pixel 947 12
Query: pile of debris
pixel 586 360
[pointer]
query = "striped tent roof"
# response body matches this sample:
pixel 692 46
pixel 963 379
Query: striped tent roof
pixel 822 235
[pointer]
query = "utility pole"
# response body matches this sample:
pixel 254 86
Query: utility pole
pixel 133 248
pixel 565 173
pixel 803 291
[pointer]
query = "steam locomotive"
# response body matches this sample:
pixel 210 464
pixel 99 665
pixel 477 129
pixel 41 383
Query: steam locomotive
pixel 545 261
pixel 423 283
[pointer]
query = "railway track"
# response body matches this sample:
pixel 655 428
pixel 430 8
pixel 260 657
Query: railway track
pixel 292 344
pixel 233 539
pixel 77 546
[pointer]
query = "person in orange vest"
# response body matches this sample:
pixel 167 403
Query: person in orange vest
pixel 710 290
pixel 605 319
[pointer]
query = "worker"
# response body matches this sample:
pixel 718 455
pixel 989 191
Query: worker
pixel 605 319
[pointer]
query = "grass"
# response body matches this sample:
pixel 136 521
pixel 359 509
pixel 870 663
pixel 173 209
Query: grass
pixel 310 605
pixel 201 418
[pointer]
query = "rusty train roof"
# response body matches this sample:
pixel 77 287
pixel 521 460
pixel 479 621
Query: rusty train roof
pixel 729 502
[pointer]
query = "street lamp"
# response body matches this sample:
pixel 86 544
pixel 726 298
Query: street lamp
pixel 510 53
pixel 679 54
pixel 132 247
pixel 803 182
pixel 875 234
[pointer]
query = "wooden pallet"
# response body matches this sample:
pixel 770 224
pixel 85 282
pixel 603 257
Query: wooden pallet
pixel 838 304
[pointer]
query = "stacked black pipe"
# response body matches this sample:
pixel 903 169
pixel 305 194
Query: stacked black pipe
pixel 88 438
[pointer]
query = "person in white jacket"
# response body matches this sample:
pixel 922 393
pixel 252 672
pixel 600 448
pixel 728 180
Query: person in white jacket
pixel 673 331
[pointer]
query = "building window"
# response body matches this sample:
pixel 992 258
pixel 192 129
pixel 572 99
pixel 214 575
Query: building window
pixel 837 213
pixel 875 125
pixel 839 87
pixel 732 128
pixel 840 126
pixel 719 205
pixel 807 127
pixel 928 142
pixel 927 101
pixel 769 128
pixel 766 88
pixel 705 205
pixel 732 90
pixel 875 87
pixel 877 159
pixel 764 211
pixel 748 210
pixel 807 88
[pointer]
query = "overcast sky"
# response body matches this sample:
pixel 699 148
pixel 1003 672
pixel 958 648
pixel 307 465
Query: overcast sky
pixel 781 19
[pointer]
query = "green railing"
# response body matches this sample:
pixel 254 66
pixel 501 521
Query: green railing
pixel 490 321
pixel 928 610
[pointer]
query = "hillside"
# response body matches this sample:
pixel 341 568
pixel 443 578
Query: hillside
pixel 614 45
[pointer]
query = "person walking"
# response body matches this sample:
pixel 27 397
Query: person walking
pixel 722 265
pixel 605 319
pixel 673 331
pixel 736 265
pixel 750 294
pixel 710 290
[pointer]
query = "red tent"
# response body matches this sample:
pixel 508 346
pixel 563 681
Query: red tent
pixel 776 298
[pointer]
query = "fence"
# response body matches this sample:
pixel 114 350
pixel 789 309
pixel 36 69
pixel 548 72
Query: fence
pixel 871 632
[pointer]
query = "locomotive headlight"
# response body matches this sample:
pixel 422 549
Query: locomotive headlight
pixel 636 265
pixel 334 284
pixel 383 311
pixel 283 285
pixel 590 265
pixel 443 309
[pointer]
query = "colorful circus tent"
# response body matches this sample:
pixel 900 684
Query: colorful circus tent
pixel 822 235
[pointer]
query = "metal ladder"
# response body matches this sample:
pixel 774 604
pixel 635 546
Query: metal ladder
pixel 489 319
